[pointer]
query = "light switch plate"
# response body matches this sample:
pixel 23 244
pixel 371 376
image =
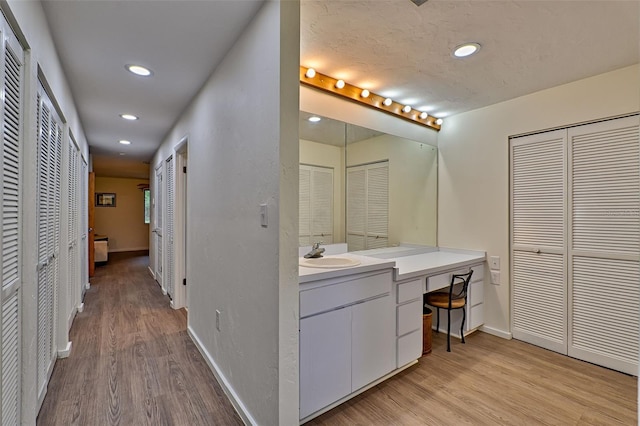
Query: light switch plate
pixel 495 277
pixel 494 263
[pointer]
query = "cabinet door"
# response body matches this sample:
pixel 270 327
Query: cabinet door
pixel 373 341
pixel 325 359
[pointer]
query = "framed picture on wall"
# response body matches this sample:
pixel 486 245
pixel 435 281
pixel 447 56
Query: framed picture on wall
pixel 105 199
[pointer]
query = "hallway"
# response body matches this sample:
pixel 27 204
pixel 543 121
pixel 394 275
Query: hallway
pixel 132 361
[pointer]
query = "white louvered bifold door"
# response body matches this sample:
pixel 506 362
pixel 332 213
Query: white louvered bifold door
pixel 12 60
pixel 84 228
pixel 304 206
pixel 73 213
pixel 605 243
pixel 48 231
pixel 368 206
pixel 158 228
pixel 538 206
pixel 169 278
pixel 356 208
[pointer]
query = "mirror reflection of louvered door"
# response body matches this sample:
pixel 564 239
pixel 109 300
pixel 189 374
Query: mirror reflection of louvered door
pixel 316 205
pixel 84 226
pixel 604 270
pixel 12 65
pixel 538 257
pixel 169 277
pixel 368 206
pixel 72 228
pixel 48 232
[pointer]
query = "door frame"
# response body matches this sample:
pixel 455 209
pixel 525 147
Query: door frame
pixel 180 299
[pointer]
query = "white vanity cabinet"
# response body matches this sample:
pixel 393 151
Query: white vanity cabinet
pixel 409 303
pixel 346 337
pixel 475 301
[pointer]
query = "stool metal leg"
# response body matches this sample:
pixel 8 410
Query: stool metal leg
pixel 438 321
pixel 448 330
pixel 464 314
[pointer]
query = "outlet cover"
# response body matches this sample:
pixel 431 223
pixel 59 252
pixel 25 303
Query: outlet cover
pixel 217 320
pixel 494 263
pixel 495 277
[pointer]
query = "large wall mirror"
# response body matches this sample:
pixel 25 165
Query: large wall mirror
pixel 364 187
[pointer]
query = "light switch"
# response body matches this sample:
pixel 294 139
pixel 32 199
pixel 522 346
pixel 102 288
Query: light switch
pixel 495 277
pixel 494 263
pixel 264 218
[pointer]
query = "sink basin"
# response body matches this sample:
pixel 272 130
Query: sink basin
pixel 329 262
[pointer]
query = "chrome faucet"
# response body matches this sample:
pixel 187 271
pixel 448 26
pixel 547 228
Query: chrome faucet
pixel 316 251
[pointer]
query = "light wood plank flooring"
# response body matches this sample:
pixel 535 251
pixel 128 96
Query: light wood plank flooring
pixel 492 381
pixel 132 362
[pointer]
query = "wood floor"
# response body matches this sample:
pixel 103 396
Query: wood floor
pixel 491 381
pixel 132 362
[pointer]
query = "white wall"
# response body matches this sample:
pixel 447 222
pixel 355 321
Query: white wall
pixel 413 185
pixel 27 19
pixel 474 166
pixel 123 224
pixel 243 152
pixel 324 155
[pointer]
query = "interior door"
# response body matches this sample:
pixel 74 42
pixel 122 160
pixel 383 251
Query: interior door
pixel 538 241
pixel 169 234
pixel 158 200
pixel 84 233
pixel 91 219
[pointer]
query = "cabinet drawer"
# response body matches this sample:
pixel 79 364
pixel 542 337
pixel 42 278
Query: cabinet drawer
pixel 409 317
pixel 476 293
pixel 409 348
pixel 478 273
pixel 476 317
pixel 322 299
pixel 410 290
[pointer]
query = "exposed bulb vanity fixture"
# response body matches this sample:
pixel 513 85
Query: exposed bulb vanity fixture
pixel 313 78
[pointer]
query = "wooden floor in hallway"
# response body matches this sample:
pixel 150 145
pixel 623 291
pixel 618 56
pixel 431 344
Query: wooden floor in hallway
pixel 132 362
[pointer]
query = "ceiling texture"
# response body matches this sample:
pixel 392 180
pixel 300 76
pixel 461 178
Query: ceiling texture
pixel 391 47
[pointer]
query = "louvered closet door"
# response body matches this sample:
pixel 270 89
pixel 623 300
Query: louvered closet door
pixel 322 205
pixel 84 226
pixel 12 60
pixel 368 206
pixel 158 228
pixel 304 206
pixel 169 278
pixel 73 213
pixel 538 239
pixel 48 231
pixel 605 243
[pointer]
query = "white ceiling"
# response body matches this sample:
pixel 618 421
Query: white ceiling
pixel 391 47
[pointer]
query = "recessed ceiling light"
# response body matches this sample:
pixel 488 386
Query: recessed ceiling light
pixel 124 142
pixel 387 102
pixel 314 119
pixel 466 49
pixel 129 117
pixel 310 73
pixel 138 70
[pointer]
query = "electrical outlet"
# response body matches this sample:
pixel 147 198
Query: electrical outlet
pixel 217 320
pixel 264 217
pixel 494 263
pixel 495 277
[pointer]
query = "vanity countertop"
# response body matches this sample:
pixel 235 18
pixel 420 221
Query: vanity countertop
pixel 367 264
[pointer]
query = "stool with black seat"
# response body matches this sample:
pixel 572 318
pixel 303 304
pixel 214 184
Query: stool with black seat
pixel 454 298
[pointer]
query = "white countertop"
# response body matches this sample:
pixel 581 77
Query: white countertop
pixel 418 265
pixel 367 264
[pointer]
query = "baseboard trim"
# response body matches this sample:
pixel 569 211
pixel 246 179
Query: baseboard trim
pixel 153 275
pixel 496 332
pixel 81 307
pixel 64 353
pixel 87 286
pixel 222 380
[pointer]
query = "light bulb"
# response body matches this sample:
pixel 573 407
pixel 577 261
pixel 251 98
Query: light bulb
pixel 439 121
pixel 340 84
pixel 406 109
pixel 387 102
pixel 310 73
pixel 424 115
pixel 365 93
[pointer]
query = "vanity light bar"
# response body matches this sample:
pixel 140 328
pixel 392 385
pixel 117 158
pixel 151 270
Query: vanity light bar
pixel 329 84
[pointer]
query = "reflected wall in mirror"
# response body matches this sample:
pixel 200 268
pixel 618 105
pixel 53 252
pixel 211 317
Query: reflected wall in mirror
pixel 367 188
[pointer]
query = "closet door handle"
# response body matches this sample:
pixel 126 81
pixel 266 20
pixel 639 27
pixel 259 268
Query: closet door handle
pixel 536 250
